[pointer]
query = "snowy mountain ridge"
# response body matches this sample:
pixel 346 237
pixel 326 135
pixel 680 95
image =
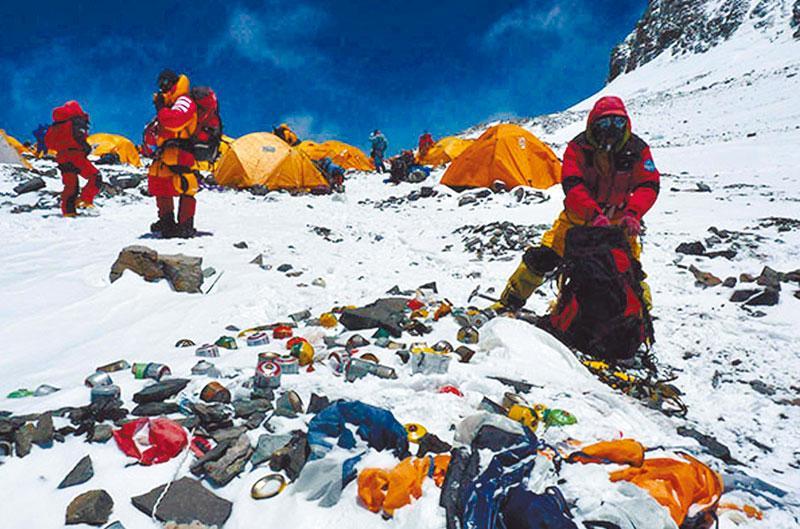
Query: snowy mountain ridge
pixel 680 27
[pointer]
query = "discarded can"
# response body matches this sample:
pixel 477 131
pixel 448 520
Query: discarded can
pixel 328 320
pixel 356 341
pixel 524 415
pixel 259 338
pixel 443 310
pixel 119 365
pixel 288 364
pixel 338 361
pixel 208 351
pixel 185 342
pixel 511 399
pixel 289 404
pixel 443 346
pixel 227 342
pixel 281 332
pixel 358 368
pixel 215 392
pixel 479 319
pixel 429 363
pixel 105 394
pixel 304 352
pixel 268 487
pixel 461 317
pixel 150 370
pixel 6 448
pixel 205 368
pixel 268 375
pixel 464 353
pixel 415 304
pixel 291 342
pixel 468 335
pixel 415 432
pixel 98 379
pixel 44 390
pixel 300 316
pixel 369 357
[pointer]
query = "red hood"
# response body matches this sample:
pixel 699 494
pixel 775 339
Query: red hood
pixel 607 106
pixel 68 110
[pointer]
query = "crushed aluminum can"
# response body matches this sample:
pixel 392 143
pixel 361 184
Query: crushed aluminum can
pixel 103 394
pixel 468 335
pixel 443 346
pixel 259 338
pixel 184 342
pixel 356 341
pixel 226 342
pixel 429 363
pixel 268 375
pixel 205 368
pixel 288 364
pixel 281 332
pixel 215 392
pixel 300 316
pixel 358 368
pixel 337 361
pixel 479 319
pixel 464 353
pixel 150 370
pixel 511 399
pixel 119 365
pixel 45 389
pixel 98 379
pixel 207 351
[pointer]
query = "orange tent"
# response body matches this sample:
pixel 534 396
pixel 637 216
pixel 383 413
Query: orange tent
pixel 342 154
pixel 445 151
pixel 264 159
pixel 104 143
pixel 508 153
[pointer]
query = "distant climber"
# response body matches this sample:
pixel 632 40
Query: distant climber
pixel 379 146
pixel 425 144
pixel 286 134
pixel 609 178
pixel 400 166
pixel 67 136
pixel 39 134
pixel 333 173
pixel 174 170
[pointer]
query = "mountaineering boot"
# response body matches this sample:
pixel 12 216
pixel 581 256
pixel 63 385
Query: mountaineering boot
pixel 165 227
pixel 519 288
pixel 185 229
pixel 83 204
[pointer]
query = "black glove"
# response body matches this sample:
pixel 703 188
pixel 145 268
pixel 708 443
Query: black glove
pixel 158 101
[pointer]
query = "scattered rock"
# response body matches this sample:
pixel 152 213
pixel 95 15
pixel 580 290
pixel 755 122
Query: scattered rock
pixel 284 268
pixel 267 445
pixel 498 240
pixel 691 248
pixel 43 432
pixel 34 184
pixel 101 433
pixel 739 296
pixel 467 199
pixel 729 282
pixel 153 409
pixel 770 278
pixel 746 278
pixel 93 508
pixel 160 391
pixel 762 387
pixel 319 282
pixel 23 440
pixel 703 188
pixel 185 501
pixel 231 464
pixel 241 245
pixel 326 233
pixel 246 408
pixel 317 403
pixel 81 473
pixel 705 278
pixel 125 181
pixel 767 298
pixel 184 273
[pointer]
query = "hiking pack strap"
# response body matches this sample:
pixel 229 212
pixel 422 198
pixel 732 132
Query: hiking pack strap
pixel 600 524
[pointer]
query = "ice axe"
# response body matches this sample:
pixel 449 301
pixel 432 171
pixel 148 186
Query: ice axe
pixel 476 293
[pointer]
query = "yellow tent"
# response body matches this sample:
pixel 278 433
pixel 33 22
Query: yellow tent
pixel 14 142
pixel 342 154
pixel 224 145
pixel 508 153
pixel 8 153
pixel 102 143
pixel 264 159
pixel 446 150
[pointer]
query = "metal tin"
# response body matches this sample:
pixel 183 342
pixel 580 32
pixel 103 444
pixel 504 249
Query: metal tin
pixel 150 370
pixel 464 353
pixel 300 316
pixel 288 364
pixel 215 392
pixel 227 342
pixel 415 432
pixel 203 367
pixel 103 394
pixel 281 332
pixel 468 335
pixel 369 357
pixel 119 365
pixel 429 363
pixel 185 342
pixel 259 338
pixel 98 379
pixel 337 361
pixel 356 341
pixel 207 351
pixel 510 399
pixel 479 319
pixel 443 346
pixel 268 375
pixel 45 389
pixel 358 368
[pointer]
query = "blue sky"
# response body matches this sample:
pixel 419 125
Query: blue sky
pixel 334 69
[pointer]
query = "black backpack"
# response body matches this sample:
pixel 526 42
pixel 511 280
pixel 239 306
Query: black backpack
pixel 600 309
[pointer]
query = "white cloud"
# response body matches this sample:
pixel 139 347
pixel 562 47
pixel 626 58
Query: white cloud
pixel 308 127
pixel 530 17
pixel 280 33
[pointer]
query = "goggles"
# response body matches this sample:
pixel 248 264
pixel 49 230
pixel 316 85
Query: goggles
pixel 611 122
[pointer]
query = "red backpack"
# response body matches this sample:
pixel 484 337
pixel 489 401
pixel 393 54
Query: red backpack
pixel 69 129
pixel 208 135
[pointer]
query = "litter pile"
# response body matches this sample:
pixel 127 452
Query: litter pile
pixel 511 461
pixel 499 241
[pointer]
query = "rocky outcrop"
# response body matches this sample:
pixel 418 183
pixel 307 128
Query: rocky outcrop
pixel 183 272
pixel 695 26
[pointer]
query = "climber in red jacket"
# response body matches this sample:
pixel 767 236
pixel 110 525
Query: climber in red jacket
pixel 67 136
pixel 609 178
pixel 425 144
